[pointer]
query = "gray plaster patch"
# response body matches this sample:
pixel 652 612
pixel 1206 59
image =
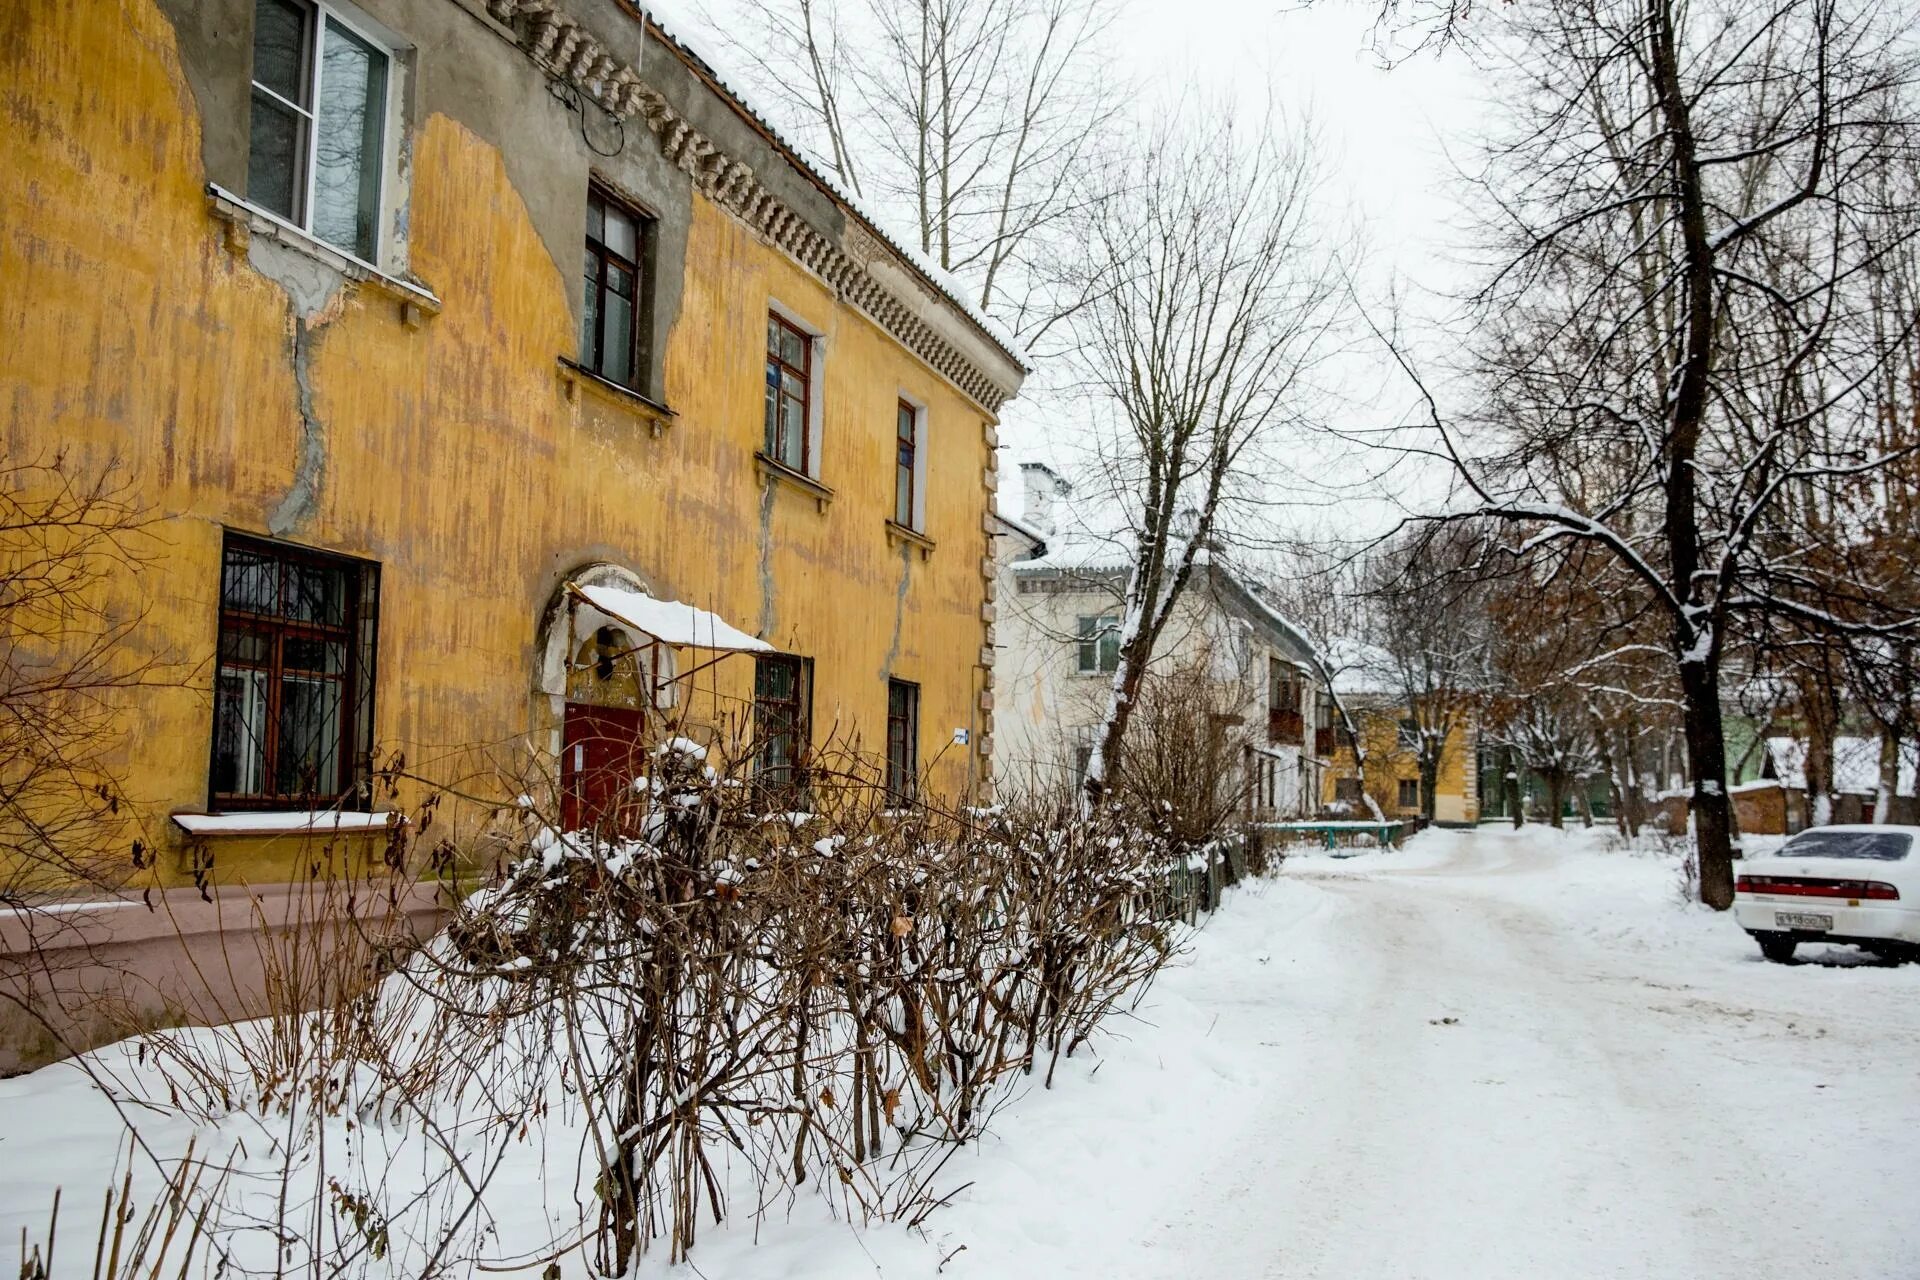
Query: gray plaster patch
pixel 297 505
pixel 767 613
pixel 899 610
pixel 309 282
pixel 310 286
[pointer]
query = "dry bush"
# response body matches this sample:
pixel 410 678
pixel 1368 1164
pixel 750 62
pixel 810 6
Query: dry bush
pixel 716 998
pixel 1183 771
pixel 835 997
pixel 70 545
pixel 138 1238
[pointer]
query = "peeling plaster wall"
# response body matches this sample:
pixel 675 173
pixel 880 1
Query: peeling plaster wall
pixel 245 386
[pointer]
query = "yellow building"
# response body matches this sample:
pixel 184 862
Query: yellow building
pixel 1364 682
pixel 413 324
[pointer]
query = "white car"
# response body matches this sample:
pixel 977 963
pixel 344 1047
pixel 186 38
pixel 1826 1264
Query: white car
pixel 1852 884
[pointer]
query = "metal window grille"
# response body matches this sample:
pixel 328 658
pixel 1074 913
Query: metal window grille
pixel 780 697
pixel 903 739
pixel 293 689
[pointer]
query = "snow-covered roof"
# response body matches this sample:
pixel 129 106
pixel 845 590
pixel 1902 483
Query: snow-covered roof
pixel 669 621
pixel 1856 764
pixel 681 32
pixel 1360 668
pixel 1015 525
pixel 1078 551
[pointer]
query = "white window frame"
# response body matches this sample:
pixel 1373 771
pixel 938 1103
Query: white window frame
pixel 387 45
pixel 919 512
pixel 816 383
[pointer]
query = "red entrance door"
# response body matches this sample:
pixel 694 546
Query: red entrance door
pixel 599 759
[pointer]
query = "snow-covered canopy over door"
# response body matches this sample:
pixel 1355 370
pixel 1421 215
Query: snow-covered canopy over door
pixel 667 621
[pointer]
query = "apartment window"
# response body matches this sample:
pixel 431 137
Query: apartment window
pixel 1346 790
pixel 613 323
pixel 315 147
pixel 1283 689
pixel 789 394
pixel 1409 793
pixel 293 695
pixel 903 738
pixel 906 464
pixel 1099 644
pixel 780 720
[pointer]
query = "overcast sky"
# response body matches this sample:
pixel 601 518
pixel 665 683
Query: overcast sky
pixel 1387 134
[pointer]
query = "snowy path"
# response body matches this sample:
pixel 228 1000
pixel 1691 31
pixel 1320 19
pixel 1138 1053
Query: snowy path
pixel 1632 1096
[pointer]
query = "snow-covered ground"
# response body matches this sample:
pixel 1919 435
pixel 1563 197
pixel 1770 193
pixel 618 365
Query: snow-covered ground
pixel 1488 1055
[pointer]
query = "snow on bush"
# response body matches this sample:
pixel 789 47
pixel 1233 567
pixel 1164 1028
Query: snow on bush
pixel 684 1014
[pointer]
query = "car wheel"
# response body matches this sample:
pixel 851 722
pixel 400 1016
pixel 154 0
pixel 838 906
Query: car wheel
pixel 1777 947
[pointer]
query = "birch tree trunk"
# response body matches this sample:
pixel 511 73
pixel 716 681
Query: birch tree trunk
pixel 1889 777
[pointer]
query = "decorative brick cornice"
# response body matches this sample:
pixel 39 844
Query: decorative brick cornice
pixel 565 49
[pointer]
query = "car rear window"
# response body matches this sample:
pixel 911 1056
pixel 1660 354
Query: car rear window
pixel 1884 846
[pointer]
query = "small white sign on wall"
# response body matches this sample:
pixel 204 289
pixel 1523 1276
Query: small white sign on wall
pixel 960 737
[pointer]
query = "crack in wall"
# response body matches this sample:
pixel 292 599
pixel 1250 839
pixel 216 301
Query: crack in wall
pixel 313 291
pixel 296 507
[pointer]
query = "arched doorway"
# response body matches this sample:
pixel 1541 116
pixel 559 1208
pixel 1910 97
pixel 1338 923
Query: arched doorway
pixel 603 723
pixel 609 670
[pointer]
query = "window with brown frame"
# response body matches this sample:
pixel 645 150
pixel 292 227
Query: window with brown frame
pixel 1409 796
pixel 789 394
pixel 293 693
pixel 906 462
pixel 613 325
pixel 903 739
pixel 780 706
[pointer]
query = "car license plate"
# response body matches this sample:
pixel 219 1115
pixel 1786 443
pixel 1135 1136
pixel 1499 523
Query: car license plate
pixel 1802 920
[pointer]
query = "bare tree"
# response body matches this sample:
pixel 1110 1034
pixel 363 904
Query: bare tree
pixel 1216 292
pixel 1429 621
pixel 1320 588
pixel 72 546
pixel 972 121
pixel 1673 344
pixel 1550 733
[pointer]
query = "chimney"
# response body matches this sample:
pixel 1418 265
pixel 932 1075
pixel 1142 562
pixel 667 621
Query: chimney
pixel 1043 487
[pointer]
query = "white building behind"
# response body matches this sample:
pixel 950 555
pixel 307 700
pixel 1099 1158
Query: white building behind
pixel 1059 602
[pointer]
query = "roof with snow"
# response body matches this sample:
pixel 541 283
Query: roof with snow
pixel 669 621
pixel 1109 559
pixel 1359 668
pixel 1077 551
pixel 1856 765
